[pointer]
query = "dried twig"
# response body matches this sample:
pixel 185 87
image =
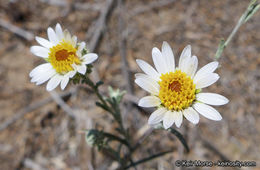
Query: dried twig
pixel 16 30
pixel 148 7
pixel 100 25
pixel 99 30
pixel 77 5
pixel 57 98
pixel 122 46
pixel 31 108
pixel 214 149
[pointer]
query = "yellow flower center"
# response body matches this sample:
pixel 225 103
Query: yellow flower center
pixel 62 56
pixel 177 90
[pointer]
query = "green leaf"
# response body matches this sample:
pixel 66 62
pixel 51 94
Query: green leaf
pixel 99 83
pixel 101 139
pixel 180 137
pixel 102 106
pixel 148 158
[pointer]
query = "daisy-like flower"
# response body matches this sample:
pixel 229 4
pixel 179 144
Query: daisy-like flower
pixel 64 56
pixel 176 92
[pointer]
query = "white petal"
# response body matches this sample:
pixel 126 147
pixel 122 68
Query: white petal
pixel 89 58
pixel 168 54
pixel 71 73
pixel 45 43
pixel 53 82
pixel 45 76
pixel 191 67
pixel 206 80
pixel 140 75
pixel 40 69
pixel 64 82
pixel 82 69
pixel 148 69
pixel 67 35
pixel 40 51
pixel 74 41
pixel 209 68
pixel 191 115
pixel 52 36
pixel 59 32
pixel 149 101
pixel 159 61
pixel 185 65
pixel 157 116
pixel 82 46
pixel 168 119
pixel 207 111
pixel 186 53
pixel 212 98
pixel 178 118
pixel 148 84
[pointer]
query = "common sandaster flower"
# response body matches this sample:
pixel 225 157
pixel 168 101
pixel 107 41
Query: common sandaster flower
pixel 176 92
pixel 65 57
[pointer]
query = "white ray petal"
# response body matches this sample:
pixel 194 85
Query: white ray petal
pixel 71 73
pixel 207 111
pixel 82 69
pixel 52 36
pixel 40 51
pixel 206 80
pixel 64 82
pixel 157 116
pixel 159 60
pixel 168 119
pixel 82 46
pixel 89 58
pixel 45 76
pixel 148 84
pixel 40 69
pixel 191 115
pixel 67 35
pixel 149 101
pixel 148 69
pixel 186 53
pixel 53 82
pixel 191 66
pixel 185 65
pixel 209 68
pixel 169 57
pixel 212 98
pixel 74 41
pixel 45 43
pixel 178 118
pixel 59 32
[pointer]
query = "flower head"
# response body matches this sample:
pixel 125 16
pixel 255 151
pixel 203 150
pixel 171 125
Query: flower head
pixel 176 92
pixel 64 56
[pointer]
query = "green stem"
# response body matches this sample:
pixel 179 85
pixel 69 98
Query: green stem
pixel 148 158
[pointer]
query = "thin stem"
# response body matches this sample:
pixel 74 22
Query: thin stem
pixel 111 136
pixel 148 158
pixel 251 9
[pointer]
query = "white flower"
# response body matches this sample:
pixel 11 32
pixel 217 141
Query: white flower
pixel 64 58
pixel 176 92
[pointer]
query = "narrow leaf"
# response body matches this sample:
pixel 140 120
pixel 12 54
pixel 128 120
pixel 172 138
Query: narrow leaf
pixel 180 137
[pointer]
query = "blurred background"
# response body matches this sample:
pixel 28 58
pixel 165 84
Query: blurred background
pixel 35 133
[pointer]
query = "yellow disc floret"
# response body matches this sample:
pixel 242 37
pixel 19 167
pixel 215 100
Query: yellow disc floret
pixel 62 56
pixel 177 90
